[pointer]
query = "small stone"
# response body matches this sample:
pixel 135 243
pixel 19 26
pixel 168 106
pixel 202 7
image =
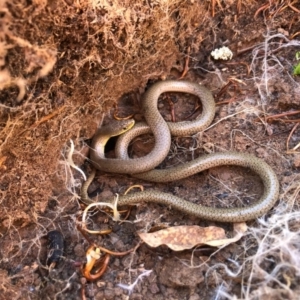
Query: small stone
pixel 136 296
pixel 101 284
pixel 109 294
pixel 194 297
pixel 117 262
pixel 118 291
pixel 154 288
pixel 175 274
pixel 297 160
pixel 119 245
pixel 110 285
pixel 99 296
pixel 107 194
pixel 79 250
pixel 261 152
pixel 126 261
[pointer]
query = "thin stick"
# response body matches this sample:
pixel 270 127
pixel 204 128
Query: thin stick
pixel 289 137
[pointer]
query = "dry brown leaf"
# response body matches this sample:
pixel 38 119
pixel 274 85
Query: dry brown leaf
pixel 180 238
pixel 238 228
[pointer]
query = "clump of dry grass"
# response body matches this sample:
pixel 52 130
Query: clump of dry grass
pixel 273 268
pixel 270 267
pixel 266 65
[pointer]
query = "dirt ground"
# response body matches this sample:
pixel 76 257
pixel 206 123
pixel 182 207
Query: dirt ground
pixel 65 64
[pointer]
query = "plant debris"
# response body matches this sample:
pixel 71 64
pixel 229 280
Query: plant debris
pixel 180 238
pixel 65 64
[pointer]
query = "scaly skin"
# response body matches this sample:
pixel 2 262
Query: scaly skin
pixel 161 130
pixel 269 179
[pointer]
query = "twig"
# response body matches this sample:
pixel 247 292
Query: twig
pixel 186 65
pixel 289 137
pixel 290 113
